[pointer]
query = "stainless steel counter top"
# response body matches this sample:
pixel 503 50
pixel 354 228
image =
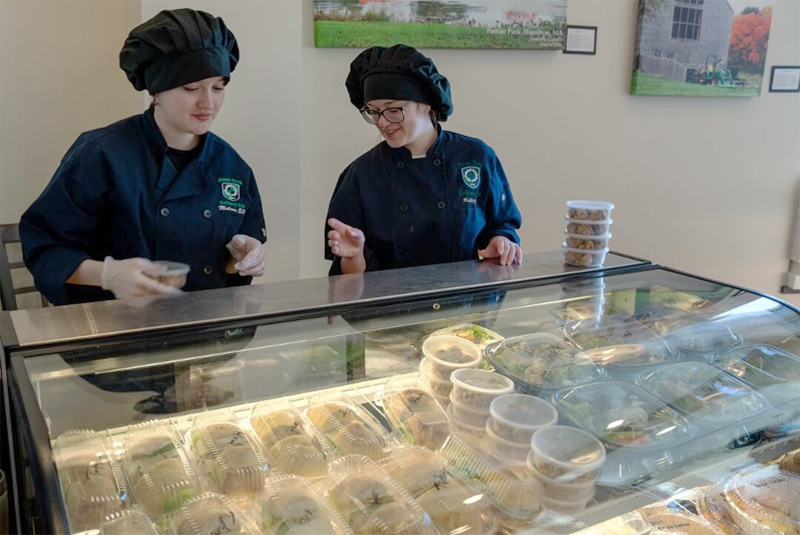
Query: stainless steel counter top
pixel 124 316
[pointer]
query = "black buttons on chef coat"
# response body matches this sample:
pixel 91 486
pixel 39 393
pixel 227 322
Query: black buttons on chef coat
pixel 208 270
pixel 165 211
pixel 207 213
pixel 440 205
pixel 401 165
pixel 404 207
pixel 437 162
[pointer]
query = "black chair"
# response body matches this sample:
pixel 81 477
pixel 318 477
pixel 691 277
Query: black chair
pixel 11 271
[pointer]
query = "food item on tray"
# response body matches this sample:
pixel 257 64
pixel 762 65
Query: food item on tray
pixel 147 451
pixel 713 506
pixel 543 361
pixel 584 257
pixel 588 228
pixel 623 415
pixel 703 391
pixel 764 496
pixel 275 426
pixel 231 461
pixel 790 463
pixel 588 243
pixel 320 415
pixel 211 514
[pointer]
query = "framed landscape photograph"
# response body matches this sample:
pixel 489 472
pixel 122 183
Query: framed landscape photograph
pixel 712 48
pixel 518 24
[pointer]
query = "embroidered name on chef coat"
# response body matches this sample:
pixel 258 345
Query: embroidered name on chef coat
pixel 231 190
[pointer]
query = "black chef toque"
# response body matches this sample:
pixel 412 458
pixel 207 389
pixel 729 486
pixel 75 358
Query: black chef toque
pixel 398 73
pixel 178 47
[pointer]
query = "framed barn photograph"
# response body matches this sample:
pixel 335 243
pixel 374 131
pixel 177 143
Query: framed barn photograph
pixel 518 24
pixel 710 48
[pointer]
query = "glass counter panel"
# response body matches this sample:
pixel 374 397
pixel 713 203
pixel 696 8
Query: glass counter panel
pixel 629 326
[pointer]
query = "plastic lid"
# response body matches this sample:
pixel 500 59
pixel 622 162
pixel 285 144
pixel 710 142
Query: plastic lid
pixel 604 250
pixel 605 236
pixel 482 381
pixel 568 448
pixel 589 221
pixel 450 352
pixel 168 268
pixel 522 411
pixel 591 205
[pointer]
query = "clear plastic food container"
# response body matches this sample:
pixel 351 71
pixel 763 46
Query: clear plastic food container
pixel 448 353
pixel 212 514
pixel 346 426
pixel 467 414
pixel 631 355
pixel 583 227
pixel 623 415
pixel 632 523
pixel 413 413
pixel 542 361
pixel 91 481
pixel 475 431
pixel 567 507
pixel 567 454
pixel 439 489
pixel 584 257
pixel 292 447
pixel 703 392
pixel 505 450
pixel 288 504
pixel 665 521
pixel 370 501
pixel 129 522
pixel 703 338
pixel 229 455
pixel 436 385
pixel 764 500
pixel 591 333
pixel 584 242
pixel 515 417
pixel 713 507
pixel 477 334
pixel 476 389
pixel 158 469
pixel 762 366
pixel 567 491
pixel 589 210
pixel 167 272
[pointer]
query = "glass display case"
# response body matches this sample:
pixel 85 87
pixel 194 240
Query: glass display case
pixel 462 399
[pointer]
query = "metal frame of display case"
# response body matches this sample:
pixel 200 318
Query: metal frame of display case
pixel 91 326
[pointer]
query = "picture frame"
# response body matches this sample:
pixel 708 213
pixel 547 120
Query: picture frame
pixel 580 40
pixel 784 79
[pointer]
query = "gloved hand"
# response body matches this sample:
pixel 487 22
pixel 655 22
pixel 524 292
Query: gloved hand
pixel 125 278
pixel 249 255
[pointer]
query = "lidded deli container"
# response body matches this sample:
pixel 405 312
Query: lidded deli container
pixel 447 353
pixel 515 417
pixel 618 341
pixel 413 413
pixel 129 522
pixel 211 513
pixel 703 338
pixel 291 445
pixel 542 361
pixel 471 332
pixel 347 427
pixel 764 500
pixel 228 453
pixel 158 468
pixel 91 481
pixel 587 232
pixel 765 367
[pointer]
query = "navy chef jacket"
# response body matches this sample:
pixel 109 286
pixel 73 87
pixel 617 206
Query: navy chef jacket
pixel 117 193
pixel 441 208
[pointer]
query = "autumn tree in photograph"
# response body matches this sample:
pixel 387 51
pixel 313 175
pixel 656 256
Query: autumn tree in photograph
pixel 749 37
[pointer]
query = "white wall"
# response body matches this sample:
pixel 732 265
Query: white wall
pixel 707 185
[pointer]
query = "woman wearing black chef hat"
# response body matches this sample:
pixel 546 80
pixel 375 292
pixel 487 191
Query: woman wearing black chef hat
pixel 423 195
pixel 156 186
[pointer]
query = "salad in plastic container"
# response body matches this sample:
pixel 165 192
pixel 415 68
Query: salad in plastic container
pixel 542 361
pixel 704 337
pixel 763 366
pixel 703 392
pixel 591 333
pixel 623 415
pixel 478 335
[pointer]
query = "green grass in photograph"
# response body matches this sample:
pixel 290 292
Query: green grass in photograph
pixel 649 84
pixel 360 34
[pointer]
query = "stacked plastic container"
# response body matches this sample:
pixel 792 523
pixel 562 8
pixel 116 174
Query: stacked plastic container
pixel 587 232
pixel 568 462
pixel 513 418
pixel 443 355
pixel 472 395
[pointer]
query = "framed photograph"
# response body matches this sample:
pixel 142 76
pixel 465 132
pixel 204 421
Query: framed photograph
pixel 580 40
pixel 784 79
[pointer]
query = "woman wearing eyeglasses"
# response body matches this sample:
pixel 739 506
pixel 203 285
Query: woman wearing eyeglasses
pixel 423 195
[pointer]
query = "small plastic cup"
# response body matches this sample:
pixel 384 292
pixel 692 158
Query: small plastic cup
pixel 582 257
pixel 515 417
pixel 590 243
pixel 568 491
pixel 587 228
pixel 437 386
pixel 590 210
pixel 503 449
pixel 448 353
pixel 476 389
pixel 169 273
pixel 468 415
pixel 567 507
pixel 476 431
pixel 567 453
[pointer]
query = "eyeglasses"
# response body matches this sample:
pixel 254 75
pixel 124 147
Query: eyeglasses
pixel 393 115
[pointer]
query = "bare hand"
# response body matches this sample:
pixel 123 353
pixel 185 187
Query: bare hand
pixel 504 249
pixel 345 241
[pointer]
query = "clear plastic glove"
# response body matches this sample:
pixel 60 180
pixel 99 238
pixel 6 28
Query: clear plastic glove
pixel 249 255
pixel 126 278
